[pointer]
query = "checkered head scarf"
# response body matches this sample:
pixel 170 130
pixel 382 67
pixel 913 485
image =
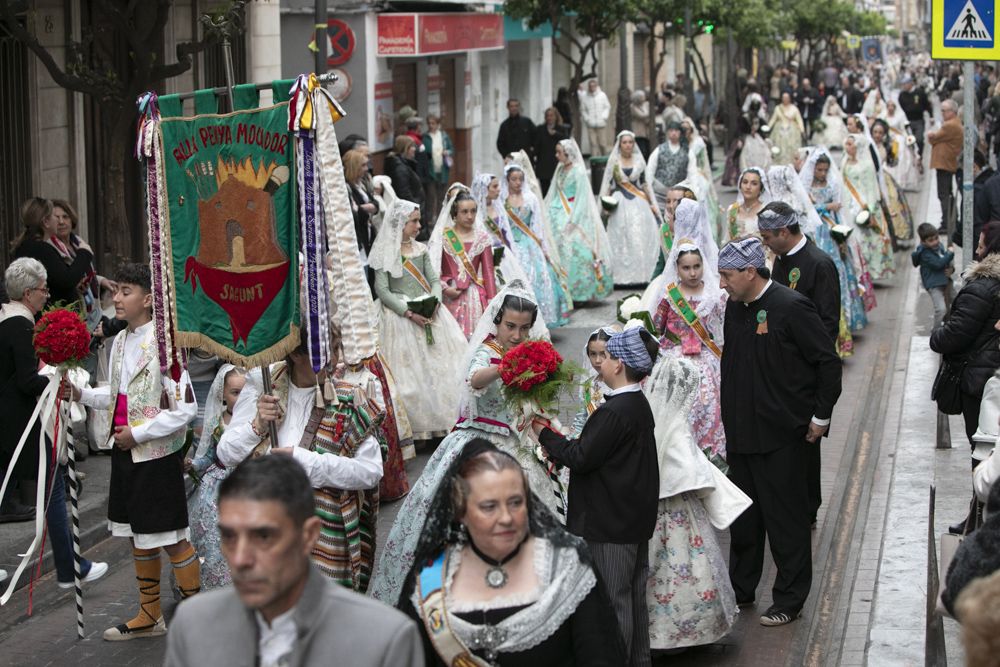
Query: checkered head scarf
pixel 776 215
pixel 742 253
pixel 629 347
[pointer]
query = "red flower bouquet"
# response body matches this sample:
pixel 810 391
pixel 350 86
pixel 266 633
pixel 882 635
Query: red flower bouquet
pixel 534 373
pixel 534 376
pixel 61 338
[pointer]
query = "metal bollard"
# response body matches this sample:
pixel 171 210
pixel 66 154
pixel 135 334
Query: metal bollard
pixel 943 431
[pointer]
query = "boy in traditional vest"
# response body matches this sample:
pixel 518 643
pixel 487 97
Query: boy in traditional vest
pixel 146 502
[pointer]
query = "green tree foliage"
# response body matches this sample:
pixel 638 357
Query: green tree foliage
pixel 583 23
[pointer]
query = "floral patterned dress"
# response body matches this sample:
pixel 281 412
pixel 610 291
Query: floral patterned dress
pixel 689 599
pixel 544 281
pixel 875 244
pixel 203 515
pixel 679 339
pixel 688 595
pixel 577 237
pixel 855 284
pixel 478 285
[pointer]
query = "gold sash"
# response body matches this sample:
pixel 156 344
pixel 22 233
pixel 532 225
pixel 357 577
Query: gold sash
pixel 861 203
pixel 412 269
pixel 629 186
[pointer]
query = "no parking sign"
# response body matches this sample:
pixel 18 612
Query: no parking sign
pixel 964 30
pixel 341 42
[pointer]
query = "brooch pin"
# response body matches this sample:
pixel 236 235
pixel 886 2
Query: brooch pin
pixel 761 322
pixel 793 277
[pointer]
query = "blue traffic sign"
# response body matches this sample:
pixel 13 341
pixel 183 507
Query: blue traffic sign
pixel 964 29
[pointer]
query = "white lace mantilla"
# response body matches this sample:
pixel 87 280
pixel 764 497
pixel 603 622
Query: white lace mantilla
pixel 564 583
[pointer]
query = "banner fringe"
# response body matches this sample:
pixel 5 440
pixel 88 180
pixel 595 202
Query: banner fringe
pixel 273 354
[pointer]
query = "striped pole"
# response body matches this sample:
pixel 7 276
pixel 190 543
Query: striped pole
pixel 74 486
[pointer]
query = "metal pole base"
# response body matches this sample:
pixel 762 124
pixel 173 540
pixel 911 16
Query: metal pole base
pixel 943 431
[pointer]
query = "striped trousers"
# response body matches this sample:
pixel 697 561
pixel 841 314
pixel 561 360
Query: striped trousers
pixel 624 569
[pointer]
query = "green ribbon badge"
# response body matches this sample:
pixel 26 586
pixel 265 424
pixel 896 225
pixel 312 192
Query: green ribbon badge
pixel 761 316
pixel 794 275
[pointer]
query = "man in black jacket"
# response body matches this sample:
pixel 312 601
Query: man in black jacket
pixel 546 137
pixel 915 103
pixel 780 381
pixel 850 98
pixel 516 133
pixel 810 104
pixel 614 483
pixel 801 266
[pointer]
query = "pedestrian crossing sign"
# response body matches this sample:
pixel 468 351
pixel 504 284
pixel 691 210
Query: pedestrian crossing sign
pixel 964 30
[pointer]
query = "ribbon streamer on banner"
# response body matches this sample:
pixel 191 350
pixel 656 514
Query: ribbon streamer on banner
pixel 317 316
pixel 148 151
pixel 349 287
pixel 311 220
pixel 44 412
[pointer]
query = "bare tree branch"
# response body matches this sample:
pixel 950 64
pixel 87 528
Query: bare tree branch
pixel 9 19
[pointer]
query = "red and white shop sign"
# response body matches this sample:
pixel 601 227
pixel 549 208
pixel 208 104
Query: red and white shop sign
pixel 397 35
pixel 423 34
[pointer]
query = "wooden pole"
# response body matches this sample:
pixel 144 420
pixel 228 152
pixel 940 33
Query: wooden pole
pixel 265 370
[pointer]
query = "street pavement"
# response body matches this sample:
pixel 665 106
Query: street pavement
pixel 870 547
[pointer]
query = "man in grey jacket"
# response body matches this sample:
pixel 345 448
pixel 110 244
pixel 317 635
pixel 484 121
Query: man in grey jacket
pixel 281 610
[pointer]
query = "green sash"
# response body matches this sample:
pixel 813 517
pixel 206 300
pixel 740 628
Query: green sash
pixel 685 310
pixel 458 248
pixel 666 238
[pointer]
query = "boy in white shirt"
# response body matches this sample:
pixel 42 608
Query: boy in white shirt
pixel 150 417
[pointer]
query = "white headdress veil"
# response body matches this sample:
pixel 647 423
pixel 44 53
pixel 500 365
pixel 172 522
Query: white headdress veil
pixel 485 327
pixel 385 252
pixel 435 244
pixel 533 190
pixel 833 179
pixel 864 153
pixel 691 232
pixel 388 193
pixel 831 104
pixel 214 407
pixel 672 388
pixel 610 330
pixel 787 187
pixel 480 191
pixel 521 159
pixel 638 163
pixel 765 188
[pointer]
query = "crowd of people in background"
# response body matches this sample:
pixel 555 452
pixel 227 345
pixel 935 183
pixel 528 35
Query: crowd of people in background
pixel 536 559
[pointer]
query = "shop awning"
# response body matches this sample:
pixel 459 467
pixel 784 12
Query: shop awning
pixel 418 34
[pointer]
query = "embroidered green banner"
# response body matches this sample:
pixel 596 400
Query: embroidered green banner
pixel 231 233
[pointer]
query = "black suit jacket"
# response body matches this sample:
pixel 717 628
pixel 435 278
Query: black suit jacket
pixel 817 280
pixel 20 387
pixel 614 474
pixel 779 370
pixel 516 134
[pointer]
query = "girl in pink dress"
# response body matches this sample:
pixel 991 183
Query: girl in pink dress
pixel 688 314
pixel 467 276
